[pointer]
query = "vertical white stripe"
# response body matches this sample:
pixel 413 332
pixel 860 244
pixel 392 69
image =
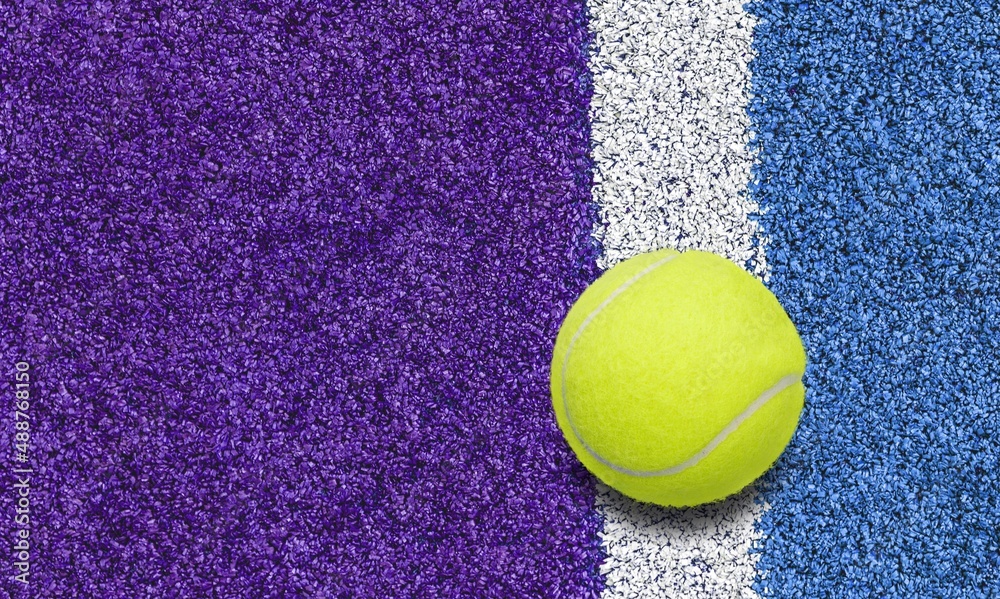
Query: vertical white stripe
pixel 670 135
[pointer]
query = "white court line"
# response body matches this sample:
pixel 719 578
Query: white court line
pixel 670 135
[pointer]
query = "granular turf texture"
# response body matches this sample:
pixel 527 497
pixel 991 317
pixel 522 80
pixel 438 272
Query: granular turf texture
pixel 878 125
pixel 288 280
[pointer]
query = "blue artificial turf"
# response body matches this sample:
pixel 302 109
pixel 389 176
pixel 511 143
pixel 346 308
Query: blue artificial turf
pixel 878 125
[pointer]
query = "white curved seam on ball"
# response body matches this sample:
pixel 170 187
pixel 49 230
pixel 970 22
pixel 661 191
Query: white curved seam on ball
pixel 782 384
pixel 579 331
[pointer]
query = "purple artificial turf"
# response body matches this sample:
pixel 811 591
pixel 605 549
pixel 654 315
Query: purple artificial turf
pixel 287 279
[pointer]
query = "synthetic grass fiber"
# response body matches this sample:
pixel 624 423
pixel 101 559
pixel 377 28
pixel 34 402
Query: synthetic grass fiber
pixel 288 275
pixel 878 126
pixel 288 279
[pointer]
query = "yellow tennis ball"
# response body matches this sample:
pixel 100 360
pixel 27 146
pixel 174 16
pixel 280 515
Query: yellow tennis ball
pixel 677 378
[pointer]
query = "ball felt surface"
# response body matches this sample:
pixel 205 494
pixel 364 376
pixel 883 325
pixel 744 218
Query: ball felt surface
pixel 676 378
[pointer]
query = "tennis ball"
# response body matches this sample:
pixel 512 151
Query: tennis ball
pixel 677 378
